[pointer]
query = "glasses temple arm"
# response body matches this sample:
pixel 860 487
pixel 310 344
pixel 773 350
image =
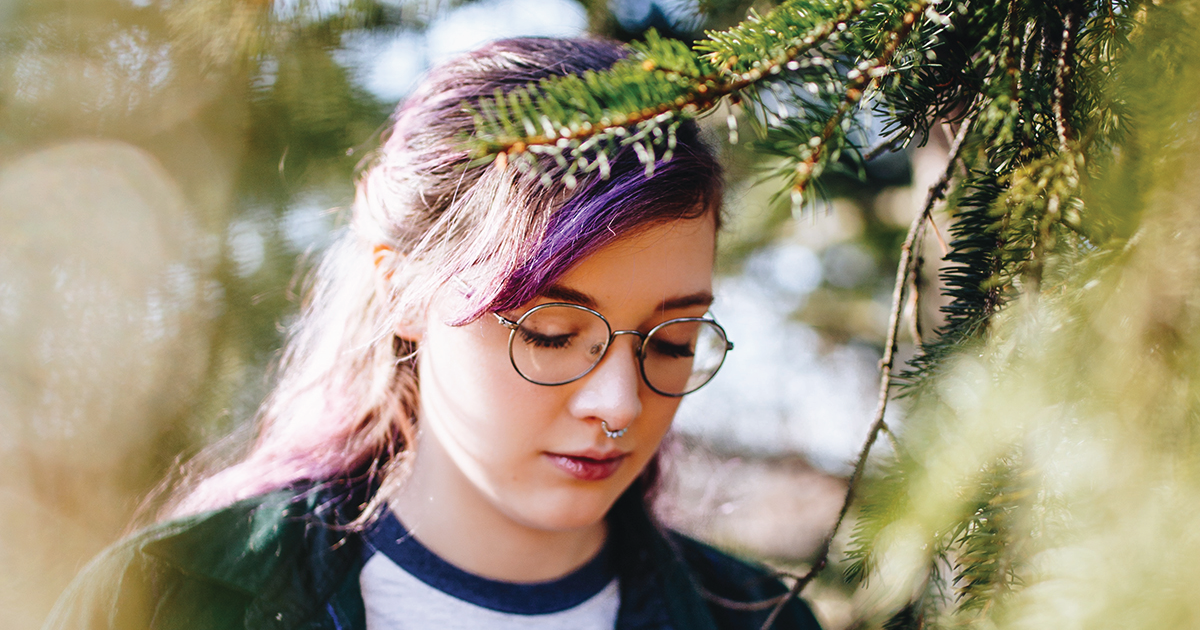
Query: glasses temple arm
pixel 506 322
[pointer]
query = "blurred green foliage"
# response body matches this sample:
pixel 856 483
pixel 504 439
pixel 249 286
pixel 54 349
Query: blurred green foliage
pixel 164 167
pixel 1048 467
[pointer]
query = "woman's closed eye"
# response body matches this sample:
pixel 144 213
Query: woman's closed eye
pixel 670 350
pixel 541 340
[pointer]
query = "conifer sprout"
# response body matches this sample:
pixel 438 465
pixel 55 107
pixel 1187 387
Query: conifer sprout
pixel 1048 472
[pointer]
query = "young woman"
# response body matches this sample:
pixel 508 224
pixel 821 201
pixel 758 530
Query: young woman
pixel 466 424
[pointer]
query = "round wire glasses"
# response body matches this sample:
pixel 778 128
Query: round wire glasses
pixel 556 343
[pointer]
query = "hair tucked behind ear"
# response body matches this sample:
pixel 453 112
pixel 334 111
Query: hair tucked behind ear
pixel 346 402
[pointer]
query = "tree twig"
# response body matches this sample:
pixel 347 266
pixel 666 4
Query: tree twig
pixel 1064 95
pixel 904 271
pixel 891 436
pixel 745 606
pixel 885 146
pixel 937 233
pixel 914 305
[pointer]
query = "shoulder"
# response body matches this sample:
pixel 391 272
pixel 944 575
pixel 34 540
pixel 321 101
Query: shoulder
pixel 127 585
pixel 210 569
pixel 729 584
pixel 112 591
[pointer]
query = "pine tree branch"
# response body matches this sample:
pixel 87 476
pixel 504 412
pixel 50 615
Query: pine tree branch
pixel 914 301
pixel 762 604
pixel 878 425
pixel 664 72
pixel 937 191
pixel 892 439
pixel 1064 69
pixel 862 78
pixel 885 146
pixel 937 233
pixel 727 50
pixel 904 272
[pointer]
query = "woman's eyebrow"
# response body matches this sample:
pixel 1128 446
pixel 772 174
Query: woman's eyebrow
pixel 560 293
pixel 702 298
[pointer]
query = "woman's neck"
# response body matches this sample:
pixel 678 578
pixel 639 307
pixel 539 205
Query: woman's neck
pixel 449 515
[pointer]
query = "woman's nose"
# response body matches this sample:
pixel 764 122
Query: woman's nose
pixel 611 391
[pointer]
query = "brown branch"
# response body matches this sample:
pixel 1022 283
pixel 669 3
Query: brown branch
pixel 904 271
pixel 937 233
pixel 810 41
pixel 697 101
pixel 1064 69
pixel 891 436
pixel 762 604
pixel 1008 38
pixel 884 146
pixel 914 301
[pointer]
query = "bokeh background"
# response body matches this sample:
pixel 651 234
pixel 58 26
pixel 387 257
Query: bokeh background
pixel 170 170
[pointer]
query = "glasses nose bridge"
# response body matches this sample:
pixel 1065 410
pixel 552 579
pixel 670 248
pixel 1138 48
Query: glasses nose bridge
pixel 641 340
pixel 637 349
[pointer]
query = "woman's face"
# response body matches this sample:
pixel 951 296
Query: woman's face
pixel 537 455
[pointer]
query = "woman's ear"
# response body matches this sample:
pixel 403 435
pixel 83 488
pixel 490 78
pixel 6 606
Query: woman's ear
pixel 386 259
pixel 409 326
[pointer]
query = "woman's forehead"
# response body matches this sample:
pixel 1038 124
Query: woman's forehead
pixel 664 266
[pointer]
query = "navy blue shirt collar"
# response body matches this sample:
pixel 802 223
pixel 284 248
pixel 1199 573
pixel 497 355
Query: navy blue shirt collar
pixel 389 537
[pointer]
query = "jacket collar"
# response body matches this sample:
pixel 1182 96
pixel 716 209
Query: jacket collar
pixel 657 588
pixel 289 551
pixel 293 555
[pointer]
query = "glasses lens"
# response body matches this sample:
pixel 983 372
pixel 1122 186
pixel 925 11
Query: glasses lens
pixel 682 356
pixel 557 344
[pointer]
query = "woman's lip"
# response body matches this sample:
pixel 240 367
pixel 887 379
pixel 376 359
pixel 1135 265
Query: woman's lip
pixel 588 466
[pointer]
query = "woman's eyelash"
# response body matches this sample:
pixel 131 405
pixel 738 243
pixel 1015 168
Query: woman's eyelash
pixel 545 341
pixel 672 350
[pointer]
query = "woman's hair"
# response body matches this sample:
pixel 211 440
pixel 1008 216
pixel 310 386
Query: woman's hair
pixel 346 400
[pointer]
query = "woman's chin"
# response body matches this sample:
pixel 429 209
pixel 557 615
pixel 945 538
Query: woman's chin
pixel 563 514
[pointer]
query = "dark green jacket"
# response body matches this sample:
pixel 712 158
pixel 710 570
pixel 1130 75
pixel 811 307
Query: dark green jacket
pixel 285 560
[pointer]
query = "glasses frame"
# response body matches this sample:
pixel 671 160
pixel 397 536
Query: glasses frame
pixel 513 325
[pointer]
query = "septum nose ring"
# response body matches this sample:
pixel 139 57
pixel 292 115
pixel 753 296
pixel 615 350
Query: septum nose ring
pixel 612 435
